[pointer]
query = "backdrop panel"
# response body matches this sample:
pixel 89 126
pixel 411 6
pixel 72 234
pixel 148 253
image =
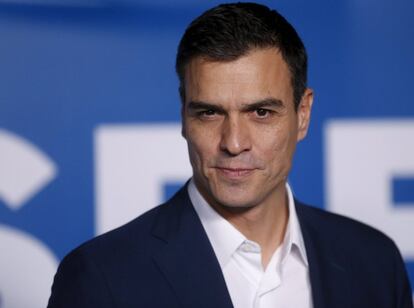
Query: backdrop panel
pixel 89 117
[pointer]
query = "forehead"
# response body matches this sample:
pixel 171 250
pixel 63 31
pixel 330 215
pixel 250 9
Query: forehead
pixel 262 73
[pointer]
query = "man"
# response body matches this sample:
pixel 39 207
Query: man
pixel 234 236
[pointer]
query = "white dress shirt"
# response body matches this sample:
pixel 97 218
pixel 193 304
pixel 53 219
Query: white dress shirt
pixel 285 282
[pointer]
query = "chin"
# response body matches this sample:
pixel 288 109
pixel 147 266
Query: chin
pixel 233 199
pixel 237 194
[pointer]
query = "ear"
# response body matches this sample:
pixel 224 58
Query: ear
pixel 304 113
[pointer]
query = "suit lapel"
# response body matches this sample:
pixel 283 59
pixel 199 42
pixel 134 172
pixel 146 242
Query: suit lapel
pixel 327 267
pixel 189 264
pixel 187 259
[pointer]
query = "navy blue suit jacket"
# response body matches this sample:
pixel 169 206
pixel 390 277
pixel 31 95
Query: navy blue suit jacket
pixel 163 259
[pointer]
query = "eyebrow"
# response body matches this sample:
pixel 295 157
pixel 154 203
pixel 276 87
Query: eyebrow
pixel 199 105
pixel 267 102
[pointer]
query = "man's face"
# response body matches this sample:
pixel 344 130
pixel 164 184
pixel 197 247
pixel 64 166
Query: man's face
pixel 241 127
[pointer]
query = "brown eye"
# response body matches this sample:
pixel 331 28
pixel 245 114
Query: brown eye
pixel 209 112
pixel 262 112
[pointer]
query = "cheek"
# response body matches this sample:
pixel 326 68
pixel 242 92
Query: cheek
pixel 272 142
pixel 200 147
pixel 276 149
pixel 195 155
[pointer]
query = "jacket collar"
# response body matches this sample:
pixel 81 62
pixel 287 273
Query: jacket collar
pixel 187 260
pixel 327 264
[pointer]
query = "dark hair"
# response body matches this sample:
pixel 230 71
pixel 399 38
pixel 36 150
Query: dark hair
pixel 229 31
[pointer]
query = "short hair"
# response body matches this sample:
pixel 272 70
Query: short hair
pixel 229 31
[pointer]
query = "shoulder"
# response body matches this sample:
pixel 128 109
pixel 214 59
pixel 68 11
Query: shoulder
pixel 107 264
pixel 362 251
pixel 127 238
pixel 139 238
pixel 347 232
pixel 118 268
pixel 113 267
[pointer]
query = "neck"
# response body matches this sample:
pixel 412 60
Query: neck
pixel 264 223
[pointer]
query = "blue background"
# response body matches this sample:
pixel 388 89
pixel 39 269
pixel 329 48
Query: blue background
pixel 68 66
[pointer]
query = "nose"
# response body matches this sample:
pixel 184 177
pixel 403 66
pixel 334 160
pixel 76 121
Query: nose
pixel 235 136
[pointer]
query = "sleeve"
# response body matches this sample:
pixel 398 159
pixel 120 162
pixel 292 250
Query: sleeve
pixel 79 283
pixel 404 296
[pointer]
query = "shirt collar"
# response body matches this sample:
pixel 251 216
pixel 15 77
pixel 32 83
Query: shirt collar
pixel 293 235
pixel 223 236
pixel 226 239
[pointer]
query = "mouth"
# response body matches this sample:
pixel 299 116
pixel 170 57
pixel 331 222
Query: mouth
pixel 235 173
